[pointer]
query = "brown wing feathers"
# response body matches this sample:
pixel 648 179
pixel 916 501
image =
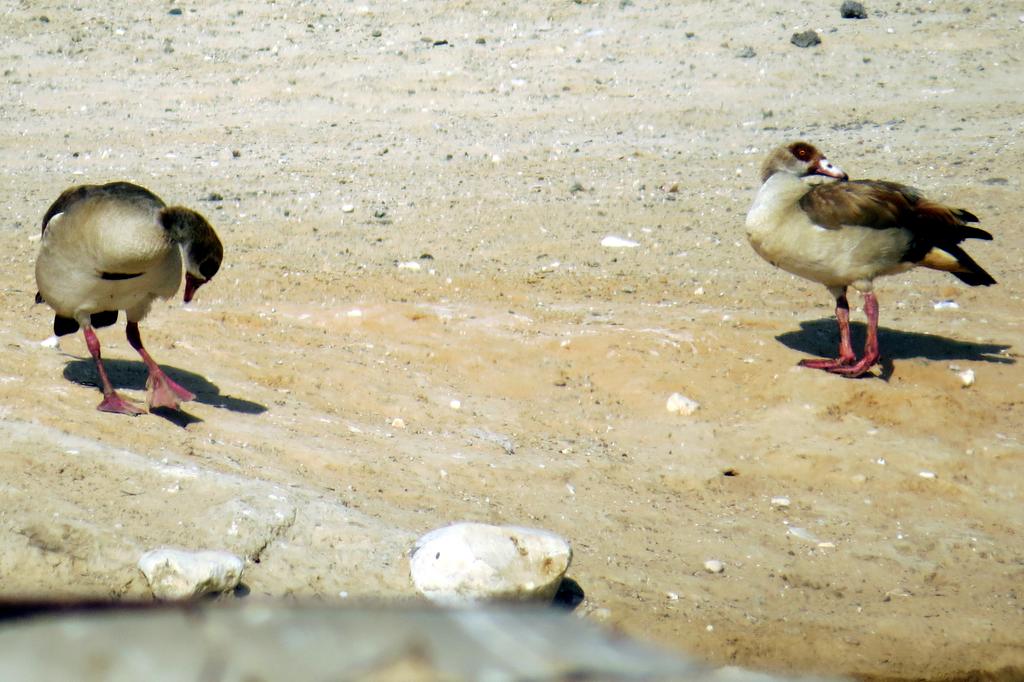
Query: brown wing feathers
pixel 936 230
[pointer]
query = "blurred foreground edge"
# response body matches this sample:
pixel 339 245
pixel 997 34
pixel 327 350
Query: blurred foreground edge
pixel 41 640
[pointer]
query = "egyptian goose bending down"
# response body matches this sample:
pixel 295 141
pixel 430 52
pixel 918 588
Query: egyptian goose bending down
pixel 113 247
pixel 810 220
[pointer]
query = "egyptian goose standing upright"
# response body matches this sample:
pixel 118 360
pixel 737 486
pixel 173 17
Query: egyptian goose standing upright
pixel 808 219
pixel 113 247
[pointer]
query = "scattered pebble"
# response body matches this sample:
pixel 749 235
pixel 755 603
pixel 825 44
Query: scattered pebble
pixel 471 562
pixel 613 242
pixel 177 574
pixel 926 474
pixel 455 404
pixel 50 342
pixel 678 403
pixel 347 208
pixel 355 312
pixel 398 423
pixel 805 39
pixel 803 534
pixel 966 377
pixel 714 566
pixel 410 265
pixel 851 9
pixel 672 596
pixel 946 305
pixel 747 53
pixel 780 502
pixel 898 592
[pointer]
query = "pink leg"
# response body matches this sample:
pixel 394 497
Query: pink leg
pixel 112 401
pixel 163 391
pixel 871 352
pixel 846 354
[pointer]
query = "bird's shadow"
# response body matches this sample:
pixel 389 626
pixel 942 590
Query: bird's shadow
pixel 821 338
pixel 132 375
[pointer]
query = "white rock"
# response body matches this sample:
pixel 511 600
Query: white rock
pixel 678 403
pixel 803 534
pixel 50 342
pixel 410 265
pixel 470 562
pixel 946 305
pixel 613 242
pixel 347 208
pixel 455 404
pixel 177 574
pixel 714 566
pixel 966 377
pixel 780 502
pixel 926 474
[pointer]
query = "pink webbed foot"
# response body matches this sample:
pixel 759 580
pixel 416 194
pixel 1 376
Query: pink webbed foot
pixel 114 402
pixel 829 364
pixel 165 392
pixel 858 369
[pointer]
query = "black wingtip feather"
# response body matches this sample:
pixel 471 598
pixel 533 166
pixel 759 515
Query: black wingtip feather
pixel 975 279
pixel 966 216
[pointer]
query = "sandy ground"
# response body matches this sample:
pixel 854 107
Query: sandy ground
pixel 495 145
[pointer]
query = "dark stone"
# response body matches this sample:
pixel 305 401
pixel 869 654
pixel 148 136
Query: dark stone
pixel 176 12
pixel 746 53
pixel 851 9
pixel 805 39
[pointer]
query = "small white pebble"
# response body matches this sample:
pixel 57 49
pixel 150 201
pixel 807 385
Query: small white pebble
pixel 673 596
pixel 946 305
pixel 966 377
pixel 926 474
pixel 826 545
pixel 347 208
pixel 710 628
pixel 714 566
pixel 398 423
pixel 613 242
pixel 410 265
pixel 678 403
pixel 51 342
pixel 455 404
pixel 355 312
pixel 780 502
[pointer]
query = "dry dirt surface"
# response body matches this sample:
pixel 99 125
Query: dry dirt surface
pixel 413 195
